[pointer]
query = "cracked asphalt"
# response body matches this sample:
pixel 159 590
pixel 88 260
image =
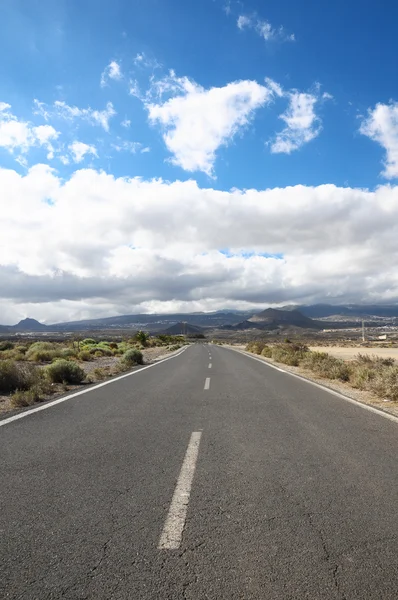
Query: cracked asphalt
pixel 294 495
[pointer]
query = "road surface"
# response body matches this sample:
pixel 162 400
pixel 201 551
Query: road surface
pixel 191 481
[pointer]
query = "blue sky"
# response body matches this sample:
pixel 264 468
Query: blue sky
pixel 221 96
pixel 58 50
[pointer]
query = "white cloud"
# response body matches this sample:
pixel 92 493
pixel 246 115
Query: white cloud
pixel 381 126
pixel 64 111
pixel 146 62
pixel 112 71
pixel 80 149
pixel 302 123
pixel 154 241
pixel 264 28
pixel 19 136
pixel 197 121
pixel 126 146
pixel 244 21
pixel 126 123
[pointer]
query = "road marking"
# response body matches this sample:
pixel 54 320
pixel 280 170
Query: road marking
pixel 210 365
pixel 372 409
pixel 81 392
pixel 207 383
pixel 171 536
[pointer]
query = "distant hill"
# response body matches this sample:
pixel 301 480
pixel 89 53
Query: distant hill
pixel 273 316
pixel 183 329
pixel 29 325
pixel 321 311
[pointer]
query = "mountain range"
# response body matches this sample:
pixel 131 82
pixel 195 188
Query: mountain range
pixel 292 315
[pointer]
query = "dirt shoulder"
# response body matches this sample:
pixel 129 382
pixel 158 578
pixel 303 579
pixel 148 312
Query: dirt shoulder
pixel 98 370
pixel 363 397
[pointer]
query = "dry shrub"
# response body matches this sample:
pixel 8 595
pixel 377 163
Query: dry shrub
pixel 324 365
pixel 65 371
pixel 267 352
pixel 16 377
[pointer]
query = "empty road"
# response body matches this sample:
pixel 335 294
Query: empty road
pixel 207 476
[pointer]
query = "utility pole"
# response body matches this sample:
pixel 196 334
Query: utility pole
pixel 363 331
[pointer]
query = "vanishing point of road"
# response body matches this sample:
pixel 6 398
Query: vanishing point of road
pixel 207 476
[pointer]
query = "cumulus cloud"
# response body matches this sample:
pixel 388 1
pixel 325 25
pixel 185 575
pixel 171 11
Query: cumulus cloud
pixel 302 122
pixel 196 122
pixel 62 110
pixel 264 28
pixel 126 123
pixel 381 126
pixel 111 71
pixel 18 135
pixel 150 245
pixel 80 149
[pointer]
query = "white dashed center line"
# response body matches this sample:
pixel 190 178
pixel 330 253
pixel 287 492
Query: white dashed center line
pixel 207 383
pixel 210 365
pixel 175 521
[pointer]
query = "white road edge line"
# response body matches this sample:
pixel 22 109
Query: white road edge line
pixel 210 365
pixel 207 383
pixel 377 411
pixel 171 536
pixel 81 392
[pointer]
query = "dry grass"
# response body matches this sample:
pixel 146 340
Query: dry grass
pixel 375 374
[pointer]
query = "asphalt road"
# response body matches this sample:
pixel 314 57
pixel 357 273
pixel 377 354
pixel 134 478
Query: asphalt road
pixel 284 491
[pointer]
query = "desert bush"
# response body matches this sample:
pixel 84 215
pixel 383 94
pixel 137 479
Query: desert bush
pixel 255 346
pixel 385 383
pixel 65 371
pixel 6 345
pixel 16 377
pixel 88 342
pixel 100 373
pixel 113 345
pixel 84 355
pixel 375 360
pixel 267 352
pixel 36 393
pixel 21 349
pixel 361 375
pixel 286 357
pixel 142 338
pixel 326 366
pixel 133 357
pixel 68 353
pixel 101 351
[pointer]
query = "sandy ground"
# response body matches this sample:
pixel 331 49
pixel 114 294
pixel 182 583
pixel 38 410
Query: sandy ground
pixel 351 353
pixel 106 363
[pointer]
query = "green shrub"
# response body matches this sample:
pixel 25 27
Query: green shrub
pixel 42 355
pixel 84 355
pixel 88 342
pixel 100 351
pixel 16 377
pixel 65 371
pixel 6 345
pixel 21 349
pixel 133 357
pixel 68 353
